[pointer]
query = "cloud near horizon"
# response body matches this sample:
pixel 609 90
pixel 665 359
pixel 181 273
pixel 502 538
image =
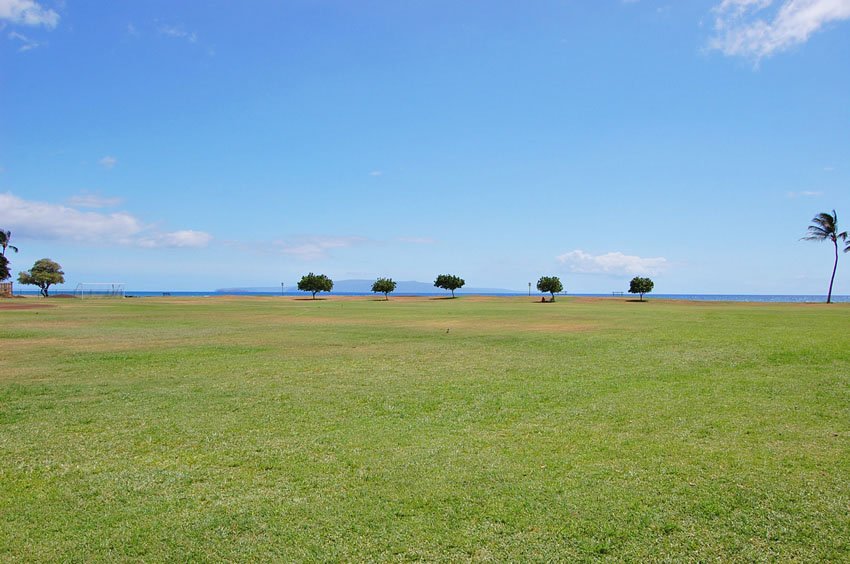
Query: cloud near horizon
pixel 740 31
pixel 618 263
pixel 314 248
pixel 28 12
pixel 42 220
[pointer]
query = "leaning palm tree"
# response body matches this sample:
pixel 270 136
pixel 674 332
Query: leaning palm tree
pixel 4 242
pixel 825 226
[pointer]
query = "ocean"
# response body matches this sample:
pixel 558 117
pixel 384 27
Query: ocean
pixel 785 298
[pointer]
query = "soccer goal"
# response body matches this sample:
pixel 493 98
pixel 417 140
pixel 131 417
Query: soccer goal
pixel 99 290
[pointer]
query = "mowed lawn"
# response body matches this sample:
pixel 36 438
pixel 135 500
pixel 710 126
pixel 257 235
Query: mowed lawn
pixel 351 429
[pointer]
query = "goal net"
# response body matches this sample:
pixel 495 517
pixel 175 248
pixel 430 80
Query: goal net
pixel 99 290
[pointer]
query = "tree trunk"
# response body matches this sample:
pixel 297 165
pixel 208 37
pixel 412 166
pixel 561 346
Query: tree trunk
pixel 453 293
pixel 314 295
pixel 834 268
pixel 386 296
pixel 553 296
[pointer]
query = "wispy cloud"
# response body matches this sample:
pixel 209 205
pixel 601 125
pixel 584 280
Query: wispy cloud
pixel 26 43
pixel 314 248
pixel 417 240
pixel 186 238
pixel 28 12
pixel 178 33
pixel 581 262
pixel 376 173
pixel 756 29
pixel 805 194
pixel 43 220
pixel 88 200
pixel 108 162
pixel 131 30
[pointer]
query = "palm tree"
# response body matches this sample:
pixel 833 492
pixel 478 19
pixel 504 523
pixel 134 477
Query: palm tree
pixel 825 226
pixel 4 242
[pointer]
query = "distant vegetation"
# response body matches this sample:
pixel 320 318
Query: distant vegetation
pixel 315 283
pixel 43 274
pixel 4 268
pixel 384 286
pixel 449 282
pixel 641 286
pixel 551 284
pixel 5 271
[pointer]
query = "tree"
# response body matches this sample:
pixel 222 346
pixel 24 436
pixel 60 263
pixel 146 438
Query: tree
pixel 385 286
pixel 4 268
pixel 5 236
pixel 641 286
pixel 43 274
pixel 825 226
pixel 551 284
pixel 315 283
pixel 449 282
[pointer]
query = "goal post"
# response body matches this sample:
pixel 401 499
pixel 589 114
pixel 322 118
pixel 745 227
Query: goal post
pixel 99 290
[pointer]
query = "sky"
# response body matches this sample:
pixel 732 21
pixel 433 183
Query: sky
pixel 208 144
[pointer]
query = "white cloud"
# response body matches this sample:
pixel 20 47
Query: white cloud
pixel 108 162
pixel 27 12
pixel 178 33
pixel 805 194
pixel 740 31
pixel 581 262
pixel 89 200
pixel 376 173
pixel 42 220
pixel 177 239
pixel 313 248
pixel 27 44
pixel 131 30
pixel 418 240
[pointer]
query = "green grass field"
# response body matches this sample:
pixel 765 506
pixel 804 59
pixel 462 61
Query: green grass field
pixel 423 429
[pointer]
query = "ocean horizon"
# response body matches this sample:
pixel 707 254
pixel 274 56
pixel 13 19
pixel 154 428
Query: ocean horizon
pixel 771 298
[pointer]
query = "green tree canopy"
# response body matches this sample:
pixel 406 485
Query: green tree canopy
pixel 315 283
pixel 384 286
pixel 641 286
pixel 824 227
pixel 449 282
pixel 43 274
pixel 5 237
pixel 551 284
pixel 4 268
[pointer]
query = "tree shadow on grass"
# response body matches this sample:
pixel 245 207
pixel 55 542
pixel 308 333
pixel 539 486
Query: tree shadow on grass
pixel 634 301
pixel 443 298
pixel 309 299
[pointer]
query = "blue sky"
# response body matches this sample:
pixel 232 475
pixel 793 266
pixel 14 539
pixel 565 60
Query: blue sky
pixel 196 145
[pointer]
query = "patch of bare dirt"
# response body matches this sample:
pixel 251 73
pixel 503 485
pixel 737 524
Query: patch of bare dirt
pixel 18 305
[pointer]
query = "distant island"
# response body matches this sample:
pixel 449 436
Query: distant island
pixel 365 287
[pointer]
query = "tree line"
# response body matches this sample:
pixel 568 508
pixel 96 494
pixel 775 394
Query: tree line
pixel 316 283
pixel 46 272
